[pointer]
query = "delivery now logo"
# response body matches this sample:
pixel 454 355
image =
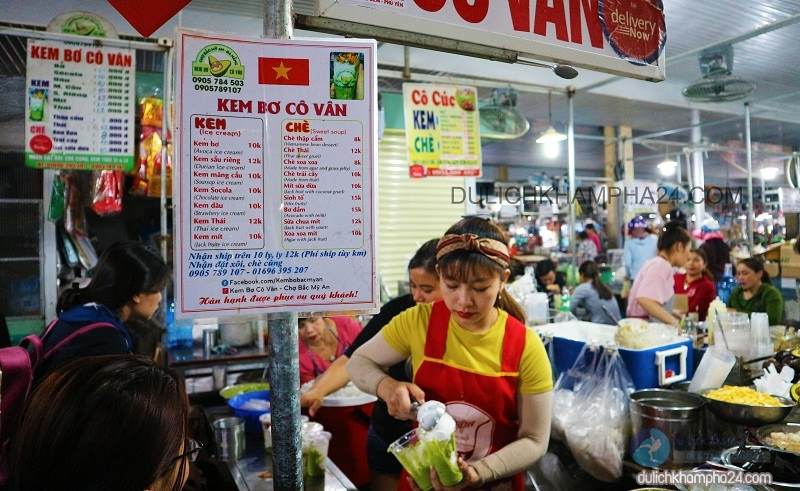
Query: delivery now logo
pixel 632 26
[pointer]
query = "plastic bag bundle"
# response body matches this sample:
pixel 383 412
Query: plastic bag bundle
pixel 107 198
pixel 568 384
pixel 598 425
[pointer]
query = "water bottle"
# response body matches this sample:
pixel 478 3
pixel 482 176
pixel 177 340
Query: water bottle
pixel 564 313
pixel 564 300
pixel 179 333
pixel 726 284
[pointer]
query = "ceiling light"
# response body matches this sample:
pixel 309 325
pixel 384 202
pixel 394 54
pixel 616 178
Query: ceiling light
pixel 550 134
pixel 552 148
pixel 769 173
pixel 667 167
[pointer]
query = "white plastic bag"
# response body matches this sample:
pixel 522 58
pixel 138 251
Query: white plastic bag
pixel 598 425
pixel 568 383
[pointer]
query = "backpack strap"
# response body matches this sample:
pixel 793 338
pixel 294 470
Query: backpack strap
pixel 71 337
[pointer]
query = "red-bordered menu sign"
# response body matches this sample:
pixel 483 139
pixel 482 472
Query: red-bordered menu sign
pixel 624 37
pixel 276 157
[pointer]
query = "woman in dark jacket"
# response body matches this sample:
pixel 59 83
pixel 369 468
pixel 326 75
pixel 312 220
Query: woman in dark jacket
pixel 126 284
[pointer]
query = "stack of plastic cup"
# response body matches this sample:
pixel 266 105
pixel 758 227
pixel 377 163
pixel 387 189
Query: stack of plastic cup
pixel 760 339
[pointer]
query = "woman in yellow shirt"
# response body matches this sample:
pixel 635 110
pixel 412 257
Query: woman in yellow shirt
pixel 472 352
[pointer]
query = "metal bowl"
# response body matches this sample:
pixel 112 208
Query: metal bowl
pixel 762 434
pixel 745 415
pixel 788 460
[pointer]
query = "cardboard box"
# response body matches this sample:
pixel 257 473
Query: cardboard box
pixel 772 252
pixel 788 256
pixel 790 271
pixel 773 270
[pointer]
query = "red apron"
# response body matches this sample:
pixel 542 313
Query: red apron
pixel 484 407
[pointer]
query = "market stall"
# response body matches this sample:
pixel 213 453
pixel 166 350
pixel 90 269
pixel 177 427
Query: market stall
pixel 251 163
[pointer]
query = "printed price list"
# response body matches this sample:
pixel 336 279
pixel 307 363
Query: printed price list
pixel 227 183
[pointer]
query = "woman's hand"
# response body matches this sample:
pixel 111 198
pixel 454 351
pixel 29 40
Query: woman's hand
pixel 312 400
pixel 554 288
pixel 471 478
pixel 398 397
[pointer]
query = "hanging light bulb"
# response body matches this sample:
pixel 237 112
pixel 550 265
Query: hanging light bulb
pixel 550 135
pixel 769 173
pixel 667 167
pixel 552 149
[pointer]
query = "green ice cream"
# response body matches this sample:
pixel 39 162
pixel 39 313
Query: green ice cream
pixel 313 463
pixel 442 456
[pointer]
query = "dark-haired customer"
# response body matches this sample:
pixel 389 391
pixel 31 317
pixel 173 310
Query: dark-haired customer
pixel 697 284
pixel 653 289
pixel 104 423
pixel 755 293
pixel 126 284
pixel 592 300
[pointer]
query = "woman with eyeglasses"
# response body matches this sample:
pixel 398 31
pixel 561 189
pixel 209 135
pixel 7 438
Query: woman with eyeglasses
pixel 103 423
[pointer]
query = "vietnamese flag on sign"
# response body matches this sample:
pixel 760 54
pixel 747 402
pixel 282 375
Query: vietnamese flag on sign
pixel 283 71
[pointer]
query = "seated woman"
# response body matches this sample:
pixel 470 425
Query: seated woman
pixel 126 285
pixel 755 293
pixel 102 423
pixel 654 287
pixel 592 300
pixel 322 340
pixel 696 284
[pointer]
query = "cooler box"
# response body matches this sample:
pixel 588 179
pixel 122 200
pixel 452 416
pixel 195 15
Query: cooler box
pixel 658 366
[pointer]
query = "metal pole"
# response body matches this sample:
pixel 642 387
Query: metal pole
pixel 571 172
pixel 698 175
pixel 284 364
pixel 749 145
pixel 165 135
pixel 167 97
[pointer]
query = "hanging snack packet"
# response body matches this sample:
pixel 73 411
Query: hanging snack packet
pixel 107 198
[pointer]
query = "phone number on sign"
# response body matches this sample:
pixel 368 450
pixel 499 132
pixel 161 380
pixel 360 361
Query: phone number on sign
pixel 703 478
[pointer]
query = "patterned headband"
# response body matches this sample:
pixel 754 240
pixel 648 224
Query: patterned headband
pixel 493 249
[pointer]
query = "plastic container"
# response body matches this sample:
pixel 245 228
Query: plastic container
pixel 714 368
pixel 315 451
pixel 736 327
pixel 250 416
pixel 760 340
pixel 408 451
pixel 236 333
pixel 536 308
pixel 179 332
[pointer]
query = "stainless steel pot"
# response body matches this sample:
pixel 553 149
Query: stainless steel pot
pixel 673 421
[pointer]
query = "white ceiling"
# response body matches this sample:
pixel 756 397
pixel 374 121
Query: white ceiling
pixel 772 60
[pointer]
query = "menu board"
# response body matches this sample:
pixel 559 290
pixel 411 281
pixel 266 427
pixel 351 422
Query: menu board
pixel 442 130
pixel 274 196
pixel 79 106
